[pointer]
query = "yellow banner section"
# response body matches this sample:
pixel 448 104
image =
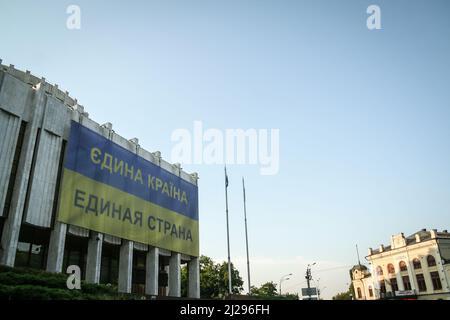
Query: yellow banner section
pixel 96 206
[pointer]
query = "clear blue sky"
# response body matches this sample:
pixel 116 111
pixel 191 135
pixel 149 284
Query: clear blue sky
pixel 364 116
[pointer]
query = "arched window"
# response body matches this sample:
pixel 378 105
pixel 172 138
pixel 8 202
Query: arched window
pixel 391 269
pixel 403 266
pixel 370 291
pixel 417 264
pixel 431 261
pixel 379 271
pixel 359 293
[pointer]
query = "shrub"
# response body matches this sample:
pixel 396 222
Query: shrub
pixel 31 284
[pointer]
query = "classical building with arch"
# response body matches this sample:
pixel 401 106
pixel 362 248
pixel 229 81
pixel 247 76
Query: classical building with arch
pixel 413 267
pixel 75 192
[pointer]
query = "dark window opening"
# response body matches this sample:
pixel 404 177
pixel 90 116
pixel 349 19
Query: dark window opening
pixel 163 276
pixel 359 293
pixel 370 292
pixel 394 284
pixel 109 271
pixel 421 283
pixel 431 261
pixel 403 266
pixel 406 283
pixel 32 248
pixel 2 222
pixel 75 253
pixel 436 280
pixel 138 278
pixel 15 165
pixel 382 287
pixel 417 264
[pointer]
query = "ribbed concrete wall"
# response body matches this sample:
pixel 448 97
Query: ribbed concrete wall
pixel 43 181
pixel 9 131
pixel 47 112
pixel 52 115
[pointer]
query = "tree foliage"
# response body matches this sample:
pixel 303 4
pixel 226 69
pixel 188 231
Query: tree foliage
pixel 268 289
pixel 213 279
pixel 345 295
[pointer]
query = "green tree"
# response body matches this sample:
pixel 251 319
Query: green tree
pixel 345 295
pixel 291 296
pixel 213 279
pixel 268 289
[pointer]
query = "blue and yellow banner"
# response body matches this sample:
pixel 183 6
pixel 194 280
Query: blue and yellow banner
pixel 108 189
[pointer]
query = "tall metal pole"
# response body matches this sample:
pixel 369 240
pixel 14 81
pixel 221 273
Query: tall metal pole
pixel 228 233
pixel 281 281
pixel 246 236
pixel 308 279
pixel 285 277
pixel 318 289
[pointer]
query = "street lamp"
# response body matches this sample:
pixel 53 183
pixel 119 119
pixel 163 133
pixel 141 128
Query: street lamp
pixel 285 277
pixel 319 290
pixel 308 278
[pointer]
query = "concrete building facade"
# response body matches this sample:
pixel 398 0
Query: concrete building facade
pixel 35 120
pixel 416 267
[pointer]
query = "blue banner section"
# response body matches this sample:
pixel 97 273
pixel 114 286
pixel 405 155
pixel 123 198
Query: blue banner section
pixel 102 160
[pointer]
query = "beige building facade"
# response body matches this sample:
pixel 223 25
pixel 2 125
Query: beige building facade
pixel 413 267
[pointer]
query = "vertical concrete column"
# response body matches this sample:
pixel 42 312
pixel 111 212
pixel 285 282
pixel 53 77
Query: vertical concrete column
pixel 412 276
pixel 56 247
pixel 398 276
pixel 11 229
pixel 194 278
pixel 152 272
pixel 387 283
pixel 125 266
pixel 442 273
pixel 166 288
pixel 175 275
pixel 94 257
pixel 427 276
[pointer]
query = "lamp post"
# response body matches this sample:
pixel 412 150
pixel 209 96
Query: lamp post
pixel 318 288
pixel 308 278
pixel 285 277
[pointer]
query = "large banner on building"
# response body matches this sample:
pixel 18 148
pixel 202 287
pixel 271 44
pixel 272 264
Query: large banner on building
pixel 109 189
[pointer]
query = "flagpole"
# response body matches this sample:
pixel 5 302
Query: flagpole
pixel 246 236
pixel 228 233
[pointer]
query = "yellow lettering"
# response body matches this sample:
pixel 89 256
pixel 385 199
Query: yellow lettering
pixel 166 189
pixel 138 176
pixel 176 193
pixel 184 198
pixel 129 170
pixel 151 182
pixel 95 152
pixel 107 162
pixel 118 166
pixel 159 184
